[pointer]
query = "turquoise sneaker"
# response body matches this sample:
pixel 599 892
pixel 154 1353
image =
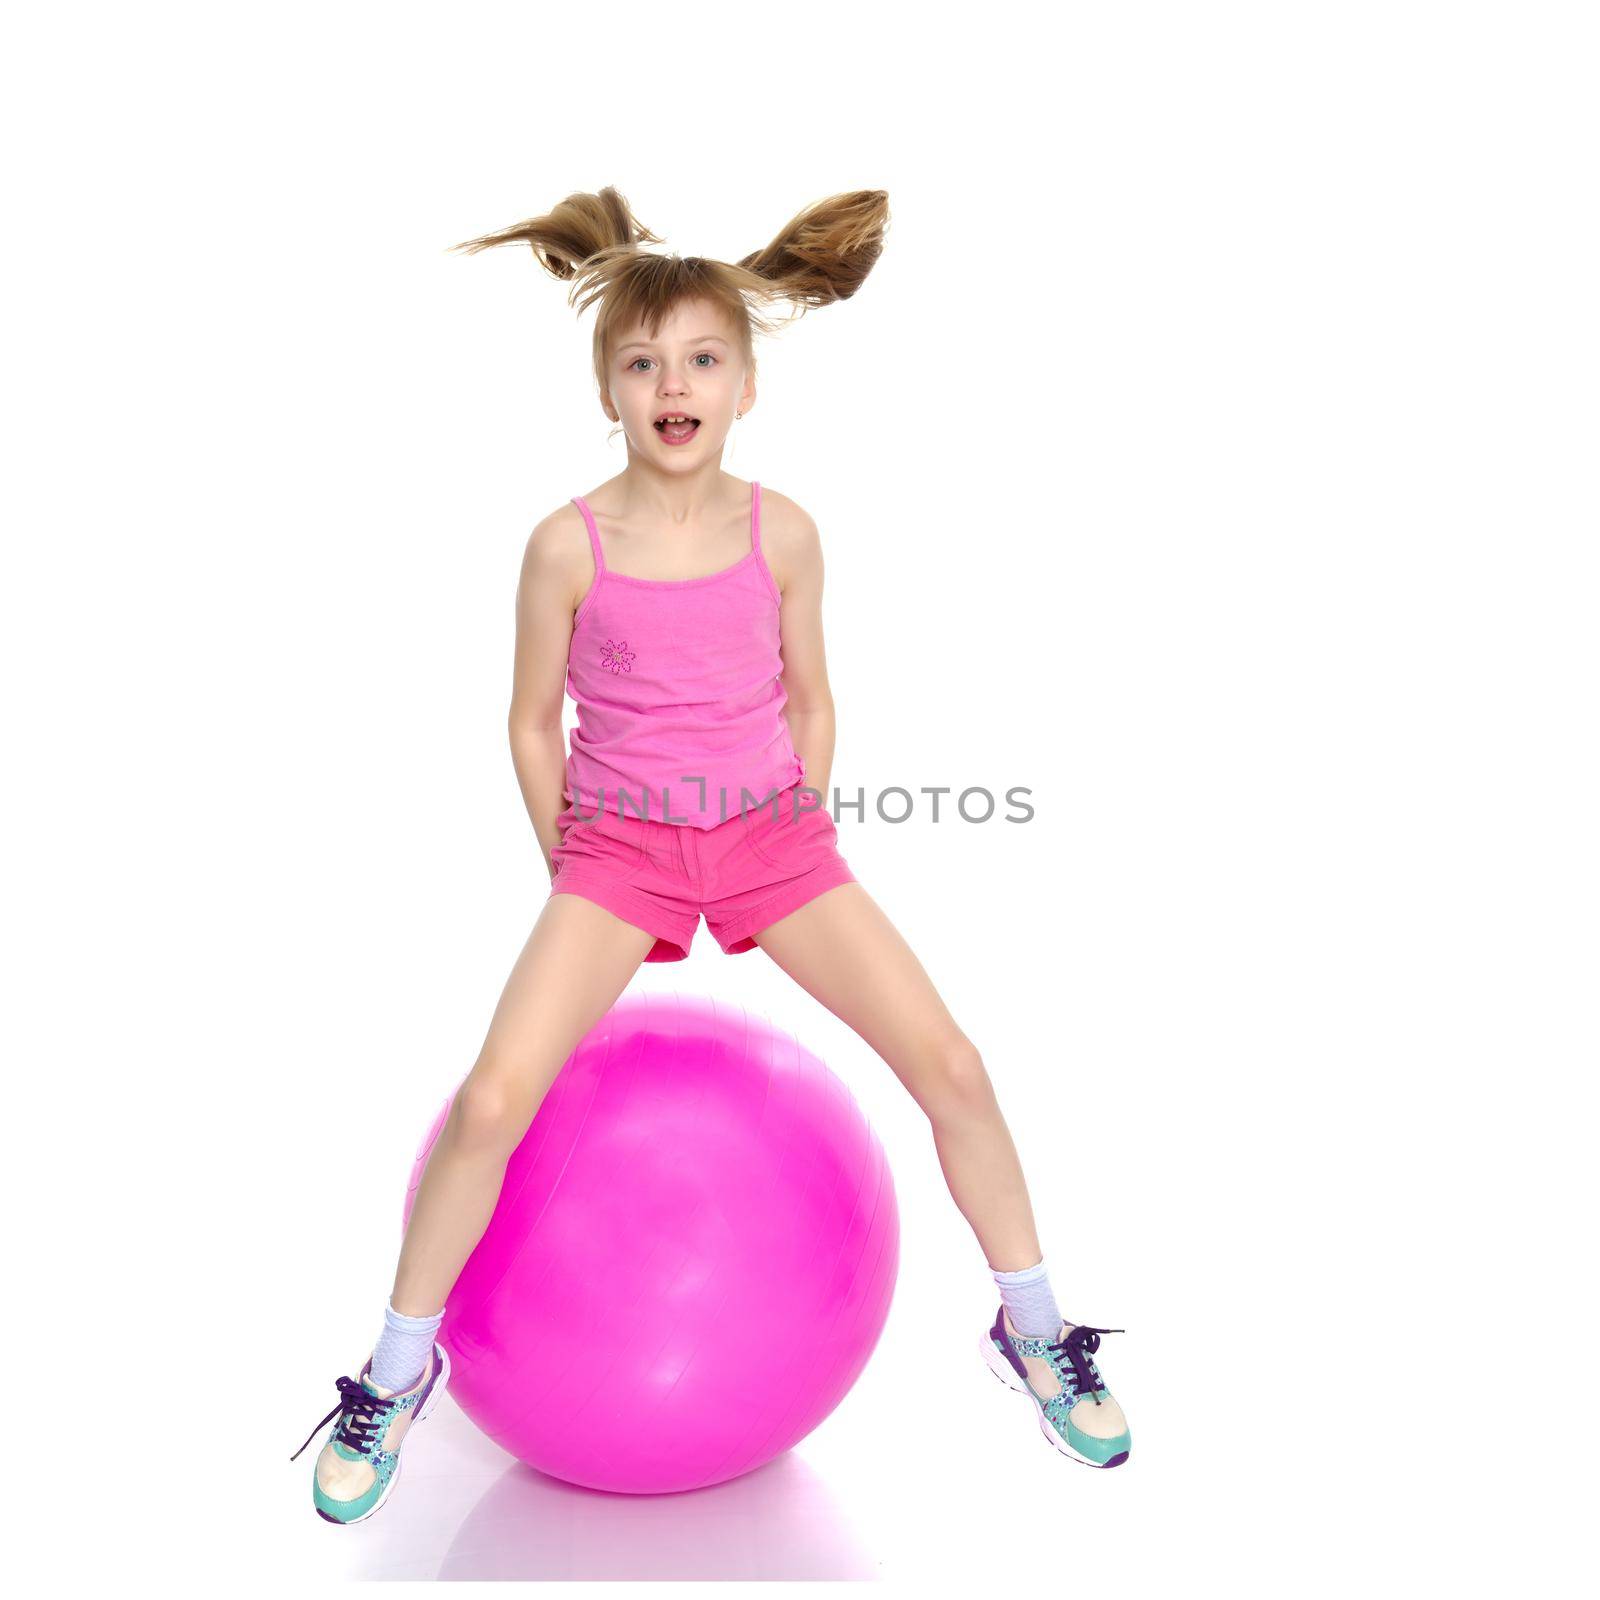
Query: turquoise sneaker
pixel 1076 1412
pixel 360 1463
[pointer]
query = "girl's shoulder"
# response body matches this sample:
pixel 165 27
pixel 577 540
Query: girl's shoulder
pixel 559 549
pixel 560 533
pixel 789 537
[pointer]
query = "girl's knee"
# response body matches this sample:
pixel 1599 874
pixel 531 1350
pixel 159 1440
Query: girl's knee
pixel 958 1079
pixel 490 1111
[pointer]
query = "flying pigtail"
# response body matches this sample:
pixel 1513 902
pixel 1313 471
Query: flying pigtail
pixel 826 252
pixel 582 228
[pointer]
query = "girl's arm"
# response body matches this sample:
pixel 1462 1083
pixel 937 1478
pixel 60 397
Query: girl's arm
pixel 795 556
pixel 546 599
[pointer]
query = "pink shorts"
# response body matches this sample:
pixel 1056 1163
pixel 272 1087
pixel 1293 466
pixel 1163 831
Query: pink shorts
pixel 744 874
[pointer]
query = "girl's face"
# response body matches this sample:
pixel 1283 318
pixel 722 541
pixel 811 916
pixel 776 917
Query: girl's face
pixel 691 367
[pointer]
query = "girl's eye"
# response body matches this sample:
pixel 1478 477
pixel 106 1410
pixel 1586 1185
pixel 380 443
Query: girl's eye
pixel 707 354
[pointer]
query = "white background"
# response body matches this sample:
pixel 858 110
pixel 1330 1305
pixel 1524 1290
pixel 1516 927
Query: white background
pixel 1212 452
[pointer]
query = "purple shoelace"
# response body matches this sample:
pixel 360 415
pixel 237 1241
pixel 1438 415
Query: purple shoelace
pixel 359 1414
pixel 1079 1345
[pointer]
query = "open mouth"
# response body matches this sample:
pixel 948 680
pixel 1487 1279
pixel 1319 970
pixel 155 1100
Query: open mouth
pixel 676 426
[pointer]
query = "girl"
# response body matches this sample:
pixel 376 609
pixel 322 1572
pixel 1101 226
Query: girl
pixel 682 609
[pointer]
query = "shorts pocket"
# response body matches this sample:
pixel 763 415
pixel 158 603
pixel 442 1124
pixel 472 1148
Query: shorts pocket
pixel 760 854
pixel 759 826
pixel 776 840
pixel 619 855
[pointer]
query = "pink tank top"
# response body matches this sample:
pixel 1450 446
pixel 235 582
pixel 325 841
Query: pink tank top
pixel 678 680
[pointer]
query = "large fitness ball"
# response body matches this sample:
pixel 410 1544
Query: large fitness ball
pixel 690 1261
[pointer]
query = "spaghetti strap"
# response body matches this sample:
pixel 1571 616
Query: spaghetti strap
pixel 755 543
pixel 594 534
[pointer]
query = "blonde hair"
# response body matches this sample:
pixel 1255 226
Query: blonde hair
pixel 823 255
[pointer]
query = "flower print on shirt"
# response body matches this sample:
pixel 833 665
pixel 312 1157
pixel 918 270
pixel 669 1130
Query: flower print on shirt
pixel 617 656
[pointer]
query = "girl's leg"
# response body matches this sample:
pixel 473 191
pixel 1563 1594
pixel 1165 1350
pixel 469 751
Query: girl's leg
pixel 577 960
pixel 842 949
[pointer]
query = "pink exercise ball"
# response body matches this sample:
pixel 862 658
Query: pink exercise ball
pixel 691 1259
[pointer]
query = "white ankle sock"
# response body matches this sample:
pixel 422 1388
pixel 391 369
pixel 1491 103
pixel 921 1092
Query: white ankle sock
pixel 403 1349
pixel 1028 1298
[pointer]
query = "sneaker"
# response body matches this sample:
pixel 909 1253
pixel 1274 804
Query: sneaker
pixel 360 1463
pixel 1076 1412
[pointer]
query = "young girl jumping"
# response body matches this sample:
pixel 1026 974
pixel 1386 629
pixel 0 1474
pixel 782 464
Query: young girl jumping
pixel 682 608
